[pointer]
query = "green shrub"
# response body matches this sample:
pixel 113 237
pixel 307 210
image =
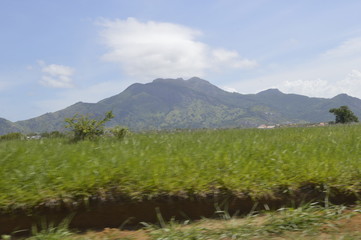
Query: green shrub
pixel 85 128
pixel 118 132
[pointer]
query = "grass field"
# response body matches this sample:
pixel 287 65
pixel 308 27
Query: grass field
pixel 254 161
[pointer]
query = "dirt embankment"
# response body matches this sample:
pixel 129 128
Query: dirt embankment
pixel 97 214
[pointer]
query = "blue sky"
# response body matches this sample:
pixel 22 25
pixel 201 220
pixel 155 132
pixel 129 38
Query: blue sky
pixel 56 53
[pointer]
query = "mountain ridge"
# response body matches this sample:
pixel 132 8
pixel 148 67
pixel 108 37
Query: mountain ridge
pixel 168 103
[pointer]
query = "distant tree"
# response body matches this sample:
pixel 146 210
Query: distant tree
pixel 85 128
pixel 12 136
pixel 344 115
pixel 53 134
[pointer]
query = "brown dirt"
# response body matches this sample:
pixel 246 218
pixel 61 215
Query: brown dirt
pixel 340 230
pixel 99 214
pixel 351 224
pixel 115 234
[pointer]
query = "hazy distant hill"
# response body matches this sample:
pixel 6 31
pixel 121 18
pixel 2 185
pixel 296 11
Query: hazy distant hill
pixel 7 127
pixel 305 108
pixel 193 103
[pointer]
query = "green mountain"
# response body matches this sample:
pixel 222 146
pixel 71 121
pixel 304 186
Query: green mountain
pixel 7 127
pixel 194 103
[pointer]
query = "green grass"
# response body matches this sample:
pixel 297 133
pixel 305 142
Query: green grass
pixel 145 165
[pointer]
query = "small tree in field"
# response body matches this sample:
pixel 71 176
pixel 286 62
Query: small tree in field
pixel 85 128
pixel 344 115
pixel 118 132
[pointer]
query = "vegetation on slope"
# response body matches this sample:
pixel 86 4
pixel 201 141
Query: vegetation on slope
pixel 195 103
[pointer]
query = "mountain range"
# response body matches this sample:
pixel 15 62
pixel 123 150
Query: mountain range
pixel 192 103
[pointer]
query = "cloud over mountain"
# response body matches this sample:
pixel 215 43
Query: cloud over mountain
pixel 159 49
pixel 56 76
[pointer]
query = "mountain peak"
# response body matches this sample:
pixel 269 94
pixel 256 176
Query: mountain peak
pixel 271 91
pixel 168 80
pixel 194 83
pixel 180 80
pixel 196 79
pixel 342 95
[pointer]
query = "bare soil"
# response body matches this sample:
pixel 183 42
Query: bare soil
pixel 349 228
pixel 112 213
pixel 115 234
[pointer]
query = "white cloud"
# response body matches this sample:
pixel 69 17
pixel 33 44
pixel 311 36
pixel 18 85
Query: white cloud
pixel 350 84
pixel 350 47
pixel 56 76
pixel 229 89
pixel 332 72
pixel 338 69
pixel 149 50
pixel 223 57
pixel 314 88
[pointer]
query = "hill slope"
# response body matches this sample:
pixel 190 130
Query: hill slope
pixel 195 103
pixel 7 126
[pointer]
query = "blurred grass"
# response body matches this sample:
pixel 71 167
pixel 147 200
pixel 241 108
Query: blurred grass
pixel 255 161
